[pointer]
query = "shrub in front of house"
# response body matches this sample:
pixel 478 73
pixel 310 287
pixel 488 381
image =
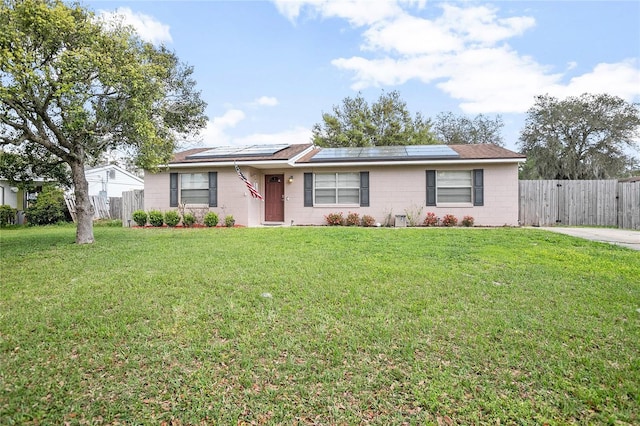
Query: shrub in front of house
pixel 156 218
pixel 171 218
pixel 211 219
pixel 49 207
pixel 449 220
pixel 140 217
pixel 467 221
pixel 368 220
pixel 229 221
pixel 188 219
pixel 353 219
pixel 430 220
pixel 7 215
pixel 334 219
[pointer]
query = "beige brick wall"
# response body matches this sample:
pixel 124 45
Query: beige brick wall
pixel 393 190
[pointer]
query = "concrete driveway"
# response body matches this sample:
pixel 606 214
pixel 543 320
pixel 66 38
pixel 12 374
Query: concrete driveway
pixel 622 237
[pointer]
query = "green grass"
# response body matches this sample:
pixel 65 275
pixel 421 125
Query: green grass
pixel 363 326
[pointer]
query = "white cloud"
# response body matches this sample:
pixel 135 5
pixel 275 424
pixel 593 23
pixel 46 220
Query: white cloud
pixel 216 131
pixel 464 51
pixel 480 25
pixel 620 79
pixel 147 27
pixel 408 35
pixel 266 101
pixel 495 80
pixel 357 12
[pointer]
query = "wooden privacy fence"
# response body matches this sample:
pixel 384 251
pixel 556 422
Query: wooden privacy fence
pixel 115 207
pixel 580 202
pixel 131 201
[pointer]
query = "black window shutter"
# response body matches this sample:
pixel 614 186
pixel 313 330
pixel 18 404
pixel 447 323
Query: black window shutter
pixel 431 187
pixel 308 189
pixel 478 187
pixel 364 189
pixel 213 189
pixel 173 190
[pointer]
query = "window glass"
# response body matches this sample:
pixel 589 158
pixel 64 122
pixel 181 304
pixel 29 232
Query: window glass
pixel 454 186
pixel 337 188
pixel 349 180
pixel 194 188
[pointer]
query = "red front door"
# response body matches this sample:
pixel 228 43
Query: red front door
pixel 274 198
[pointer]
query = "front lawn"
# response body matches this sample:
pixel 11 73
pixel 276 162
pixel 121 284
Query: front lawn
pixel 317 326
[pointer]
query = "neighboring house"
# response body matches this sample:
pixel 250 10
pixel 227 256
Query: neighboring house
pixel 18 198
pixel 8 194
pixel 111 181
pixel 302 183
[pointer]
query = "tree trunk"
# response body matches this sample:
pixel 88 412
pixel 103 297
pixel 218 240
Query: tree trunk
pixel 84 208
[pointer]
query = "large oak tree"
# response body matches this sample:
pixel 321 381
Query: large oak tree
pixel 73 86
pixel 591 136
pixel 386 122
pixel 460 129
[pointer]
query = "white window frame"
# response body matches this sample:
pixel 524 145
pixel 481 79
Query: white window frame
pixel 448 184
pixel 204 188
pixel 338 199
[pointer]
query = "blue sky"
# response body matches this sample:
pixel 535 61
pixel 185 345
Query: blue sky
pixel 269 69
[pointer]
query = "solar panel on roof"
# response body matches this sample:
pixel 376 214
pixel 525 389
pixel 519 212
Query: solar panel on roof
pixel 383 151
pixel 386 152
pixel 239 151
pixel 331 153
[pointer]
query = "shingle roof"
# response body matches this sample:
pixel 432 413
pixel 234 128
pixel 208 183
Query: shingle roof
pixel 484 151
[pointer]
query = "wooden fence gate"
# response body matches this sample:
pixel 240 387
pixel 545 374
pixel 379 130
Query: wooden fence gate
pixel 580 202
pixel 131 201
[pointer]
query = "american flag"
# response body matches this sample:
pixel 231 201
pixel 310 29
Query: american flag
pixel 252 189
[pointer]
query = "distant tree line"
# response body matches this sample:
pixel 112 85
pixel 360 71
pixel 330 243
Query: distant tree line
pixel 591 136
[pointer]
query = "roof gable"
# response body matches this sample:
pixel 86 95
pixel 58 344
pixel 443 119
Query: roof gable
pixel 102 169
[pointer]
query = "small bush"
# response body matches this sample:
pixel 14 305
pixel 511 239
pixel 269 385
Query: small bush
pixel 368 220
pixel 353 219
pixel 49 207
pixel 449 220
pixel 171 218
pixel 156 218
pixel 140 217
pixel 7 215
pixel 334 219
pixel 188 219
pixel 389 220
pixel 211 219
pixel 431 219
pixel 413 215
pixel 467 221
pixel 229 221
